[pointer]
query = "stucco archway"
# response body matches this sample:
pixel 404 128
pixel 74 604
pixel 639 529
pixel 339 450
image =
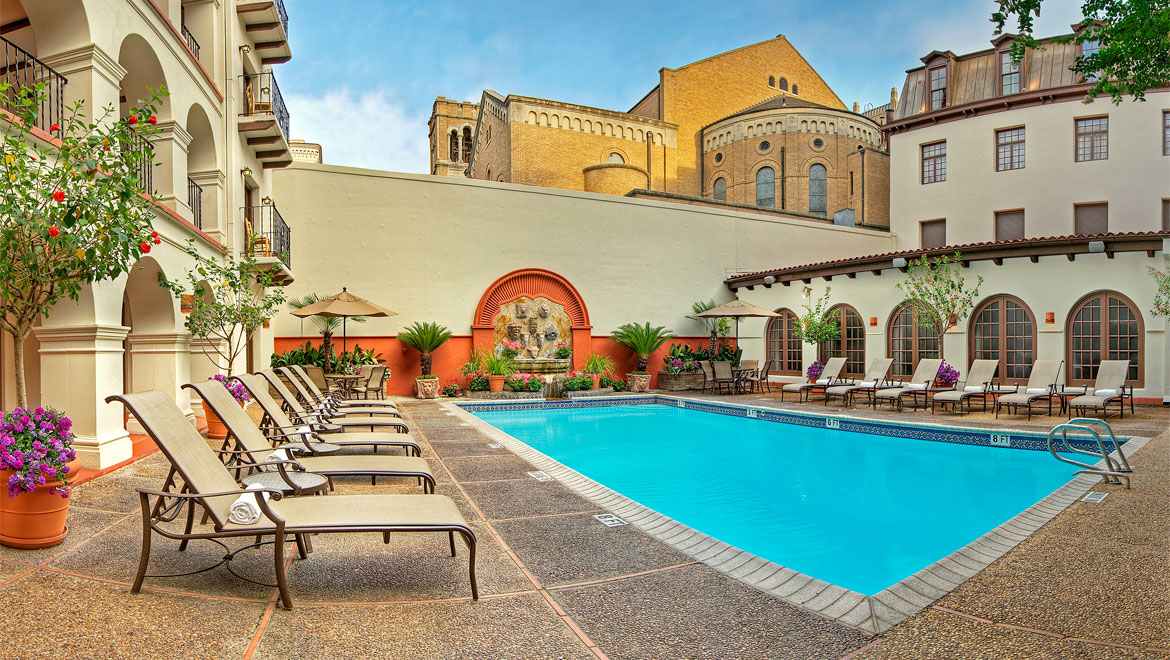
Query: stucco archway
pixel 158 349
pixel 533 283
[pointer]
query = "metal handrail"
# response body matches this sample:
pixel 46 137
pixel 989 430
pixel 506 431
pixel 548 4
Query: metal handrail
pixel 1112 438
pixel 283 15
pixel 1112 473
pixel 262 97
pixel 24 72
pixel 267 235
pixel 195 201
pixel 192 43
pixel 136 141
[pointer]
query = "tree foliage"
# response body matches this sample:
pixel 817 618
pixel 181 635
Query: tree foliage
pixel 816 325
pixel 425 338
pixel 716 326
pixel 642 340
pixel 1162 295
pixel 72 210
pixel 937 292
pixel 1134 39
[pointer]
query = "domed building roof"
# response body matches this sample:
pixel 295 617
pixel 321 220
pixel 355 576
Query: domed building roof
pixel 779 103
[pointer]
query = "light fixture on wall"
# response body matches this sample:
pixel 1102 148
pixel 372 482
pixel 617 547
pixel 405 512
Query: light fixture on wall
pixel 247 171
pixel 805 292
pixel 899 262
pixel 265 90
pixel 266 200
pixel 1050 318
pixel 873 321
pixel 245 49
pixel 1096 246
pixel 769 280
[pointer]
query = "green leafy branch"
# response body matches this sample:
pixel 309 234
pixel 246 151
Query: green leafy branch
pixel 937 292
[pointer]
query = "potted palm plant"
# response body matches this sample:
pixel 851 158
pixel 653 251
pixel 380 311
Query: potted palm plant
pixel 596 365
pixel 642 340
pixel 498 368
pixel 425 338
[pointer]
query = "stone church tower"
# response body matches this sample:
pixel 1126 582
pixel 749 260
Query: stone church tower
pixel 452 129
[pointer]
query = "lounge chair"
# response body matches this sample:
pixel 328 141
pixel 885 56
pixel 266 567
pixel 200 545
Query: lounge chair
pixel 250 444
pixel 1108 387
pixel 320 398
pixel 828 378
pixel 1042 384
pixel 373 384
pixel 281 429
pixel 724 376
pixel 873 380
pixel 328 406
pixel 920 381
pixel 978 385
pixel 208 484
pixel 323 421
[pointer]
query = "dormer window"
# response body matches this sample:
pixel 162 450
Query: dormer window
pixel 1009 74
pixel 1089 47
pixel 938 88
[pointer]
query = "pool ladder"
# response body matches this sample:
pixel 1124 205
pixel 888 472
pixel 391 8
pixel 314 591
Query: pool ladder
pixel 1116 466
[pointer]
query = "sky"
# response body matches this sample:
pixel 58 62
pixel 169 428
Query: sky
pixel 365 73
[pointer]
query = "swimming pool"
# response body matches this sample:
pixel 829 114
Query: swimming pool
pixel 857 510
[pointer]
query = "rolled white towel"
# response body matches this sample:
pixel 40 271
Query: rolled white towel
pixel 1106 393
pixel 822 381
pixel 1036 390
pixel 279 455
pixel 305 432
pixel 915 386
pixel 973 388
pixel 246 509
pixel 867 383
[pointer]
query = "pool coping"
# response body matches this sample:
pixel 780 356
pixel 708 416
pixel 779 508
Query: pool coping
pixel 870 614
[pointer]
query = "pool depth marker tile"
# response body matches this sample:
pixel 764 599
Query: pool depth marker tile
pixel 873 614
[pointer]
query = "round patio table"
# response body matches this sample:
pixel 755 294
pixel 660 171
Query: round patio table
pixel 345 382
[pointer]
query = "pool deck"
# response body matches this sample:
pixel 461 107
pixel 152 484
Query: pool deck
pixel 1092 583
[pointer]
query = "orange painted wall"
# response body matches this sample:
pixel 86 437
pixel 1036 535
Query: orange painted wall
pixel 404 364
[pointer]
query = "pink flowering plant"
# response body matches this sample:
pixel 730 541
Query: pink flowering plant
pixel 675 365
pixel 946 374
pixel 1162 295
pixel 234 386
pixel 522 382
pixel 37 446
pixel 511 349
pixel 815 370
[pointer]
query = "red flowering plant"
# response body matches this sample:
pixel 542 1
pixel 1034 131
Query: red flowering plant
pixel 563 351
pixel 37 445
pixel 938 293
pixel 478 381
pixel 1162 295
pixel 577 380
pixel 73 210
pixel 452 390
pixel 522 382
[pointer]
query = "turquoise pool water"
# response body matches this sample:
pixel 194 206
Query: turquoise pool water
pixel 856 510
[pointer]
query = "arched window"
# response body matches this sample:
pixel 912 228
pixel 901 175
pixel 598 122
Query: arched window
pixel 794 89
pixel 1003 329
pixel 783 347
pixel 615 157
pixel 784 84
pixel 851 343
pixel 818 189
pixel 466 144
pixel 766 187
pixel 908 342
pixel 771 81
pixel 719 189
pixel 1103 326
pixel 453 151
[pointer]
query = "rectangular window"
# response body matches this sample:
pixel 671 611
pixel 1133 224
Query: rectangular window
pixel 1091 218
pixel 1009 74
pixel 1166 215
pixel 1092 139
pixel 938 88
pixel 1090 48
pixel 934 233
pixel 1009 225
pixel 934 162
pixel 1166 133
pixel 1009 149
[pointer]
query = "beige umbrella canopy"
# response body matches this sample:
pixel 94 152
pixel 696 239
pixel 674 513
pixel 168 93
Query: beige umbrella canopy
pixel 737 309
pixel 344 305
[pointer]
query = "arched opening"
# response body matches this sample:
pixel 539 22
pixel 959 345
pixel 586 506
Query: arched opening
pixel 783 347
pixel 201 164
pixel 42 29
pixel 784 84
pixel 766 187
pixel 1104 325
pixel 453 148
pixel 466 144
pixel 907 342
pixel 771 81
pixel 818 189
pixel 850 344
pixel 719 189
pixel 616 158
pixel 1004 329
pixel 534 283
pixel 143 72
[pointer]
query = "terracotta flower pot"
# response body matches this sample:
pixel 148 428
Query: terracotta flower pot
pixel 215 428
pixel 639 382
pixel 36 519
pixel 496 383
pixel 596 381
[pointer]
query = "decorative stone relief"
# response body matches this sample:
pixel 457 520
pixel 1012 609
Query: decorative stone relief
pixel 539 333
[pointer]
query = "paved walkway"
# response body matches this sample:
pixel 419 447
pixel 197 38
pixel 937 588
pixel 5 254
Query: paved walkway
pixel 557 584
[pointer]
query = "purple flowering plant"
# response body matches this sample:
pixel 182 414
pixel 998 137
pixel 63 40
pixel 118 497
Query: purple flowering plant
pixel 36 445
pixel 815 370
pixel 946 374
pixel 234 386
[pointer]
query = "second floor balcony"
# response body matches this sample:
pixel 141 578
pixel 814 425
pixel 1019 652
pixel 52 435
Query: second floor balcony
pixel 23 73
pixel 268 239
pixel 266 22
pixel 264 119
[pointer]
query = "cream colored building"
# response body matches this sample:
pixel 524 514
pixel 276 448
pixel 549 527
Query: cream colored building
pixel 1060 205
pixel 224 130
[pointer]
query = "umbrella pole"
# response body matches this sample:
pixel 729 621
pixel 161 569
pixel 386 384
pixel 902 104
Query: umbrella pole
pixel 343 337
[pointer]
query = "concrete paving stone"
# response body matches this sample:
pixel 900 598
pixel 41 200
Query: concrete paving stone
pixel 704 543
pixel 764 572
pixel 79 618
pixel 733 562
pixel 447 450
pixel 842 606
pixel 924 588
pixel 860 617
pixel 777 579
pixel 885 614
pixel 810 590
pixel 1125 519
pixel 81 524
pixel 681 535
pixel 528 497
pixel 958 568
pixel 792 586
pixel 934 635
pixel 569 549
pixel 488 468
pixel 716 549
pixel 651 617
pixel 829 595
pixel 513 628
pixel 750 566
pixel 892 600
pixel 113 492
pixel 912 596
pixel 942 576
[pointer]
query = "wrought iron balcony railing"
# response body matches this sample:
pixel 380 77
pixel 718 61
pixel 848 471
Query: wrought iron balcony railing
pixel 192 43
pixel 195 201
pixel 262 97
pixel 23 72
pixel 283 15
pixel 266 234
pixel 144 165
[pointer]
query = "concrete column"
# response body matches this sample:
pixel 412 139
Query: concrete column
pixel 205 363
pixel 80 366
pixel 213 224
pixel 160 361
pixel 170 169
pixel 94 78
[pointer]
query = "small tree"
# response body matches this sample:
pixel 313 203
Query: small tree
pixel 231 300
pixel 815 326
pixel 642 340
pixel 425 338
pixel 936 290
pixel 1162 295
pixel 326 325
pixel 72 211
pixel 716 327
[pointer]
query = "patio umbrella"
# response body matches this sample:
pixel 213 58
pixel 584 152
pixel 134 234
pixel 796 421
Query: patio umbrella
pixel 343 305
pixel 737 309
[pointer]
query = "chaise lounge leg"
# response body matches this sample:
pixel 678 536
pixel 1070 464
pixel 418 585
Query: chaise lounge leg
pixel 190 523
pixel 144 554
pixel 469 538
pixel 451 541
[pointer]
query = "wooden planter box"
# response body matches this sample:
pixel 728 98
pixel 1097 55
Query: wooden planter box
pixel 680 382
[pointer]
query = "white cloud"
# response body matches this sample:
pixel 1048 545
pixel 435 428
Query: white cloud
pixel 373 129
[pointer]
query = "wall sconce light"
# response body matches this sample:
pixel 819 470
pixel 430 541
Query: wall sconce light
pixel 899 262
pixel 1050 318
pixel 769 280
pixel 805 292
pixel 1096 246
pixel 266 200
pixel 247 171
pixel 245 49
pixel 873 321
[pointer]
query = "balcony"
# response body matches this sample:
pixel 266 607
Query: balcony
pixel 268 239
pixel 144 164
pixel 195 201
pixel 266 22
pixel 191 42
pixel 23 72
pixel 264 119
